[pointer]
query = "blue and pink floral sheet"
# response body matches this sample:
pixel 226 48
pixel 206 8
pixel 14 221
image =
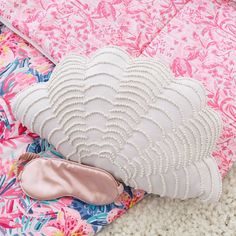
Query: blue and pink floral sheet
pixel 195 38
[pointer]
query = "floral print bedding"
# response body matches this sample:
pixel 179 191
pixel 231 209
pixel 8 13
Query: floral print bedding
pixel 20 66
pixel 84 26
pixel 196 38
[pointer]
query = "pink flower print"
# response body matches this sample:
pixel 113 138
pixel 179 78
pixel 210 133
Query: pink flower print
pixel 68 223
pixel 224 162
pixel 6 55
pixel 106 9
pixel 4 131
pixel 195 16
pixel 126 200
pixel 5 123
pixel 7 222
pixel 228 109
pixel 114 214
pixel 181 67
pixel 16 82
pixel 21 53
pixel 8 187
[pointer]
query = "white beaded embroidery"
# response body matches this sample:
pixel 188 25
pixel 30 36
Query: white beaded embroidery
pixel 132 114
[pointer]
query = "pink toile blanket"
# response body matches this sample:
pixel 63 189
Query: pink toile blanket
pixel 196 38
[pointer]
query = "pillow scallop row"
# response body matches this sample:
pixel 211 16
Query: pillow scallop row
pixel 131 117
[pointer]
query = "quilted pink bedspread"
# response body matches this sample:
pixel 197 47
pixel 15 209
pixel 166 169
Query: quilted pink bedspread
pixel 196 38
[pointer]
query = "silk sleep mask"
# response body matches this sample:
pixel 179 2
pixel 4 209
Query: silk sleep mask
pixel 50 178
pixel 130 117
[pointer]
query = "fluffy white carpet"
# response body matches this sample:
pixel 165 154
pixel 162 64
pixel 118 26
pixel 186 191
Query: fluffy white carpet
pixel 164 217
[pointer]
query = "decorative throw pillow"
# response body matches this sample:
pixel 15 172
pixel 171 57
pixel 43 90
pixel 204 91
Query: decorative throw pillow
pixel 130 117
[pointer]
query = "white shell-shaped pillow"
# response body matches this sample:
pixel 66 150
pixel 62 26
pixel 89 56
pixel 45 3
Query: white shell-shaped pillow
pixel 131 117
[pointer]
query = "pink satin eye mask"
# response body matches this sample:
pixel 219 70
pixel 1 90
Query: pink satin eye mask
pixel 50 178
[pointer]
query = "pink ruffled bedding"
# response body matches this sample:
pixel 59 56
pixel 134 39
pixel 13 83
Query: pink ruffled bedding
pixel 197 38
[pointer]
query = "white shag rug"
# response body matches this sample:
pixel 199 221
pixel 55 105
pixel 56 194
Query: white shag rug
pixel 155 216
